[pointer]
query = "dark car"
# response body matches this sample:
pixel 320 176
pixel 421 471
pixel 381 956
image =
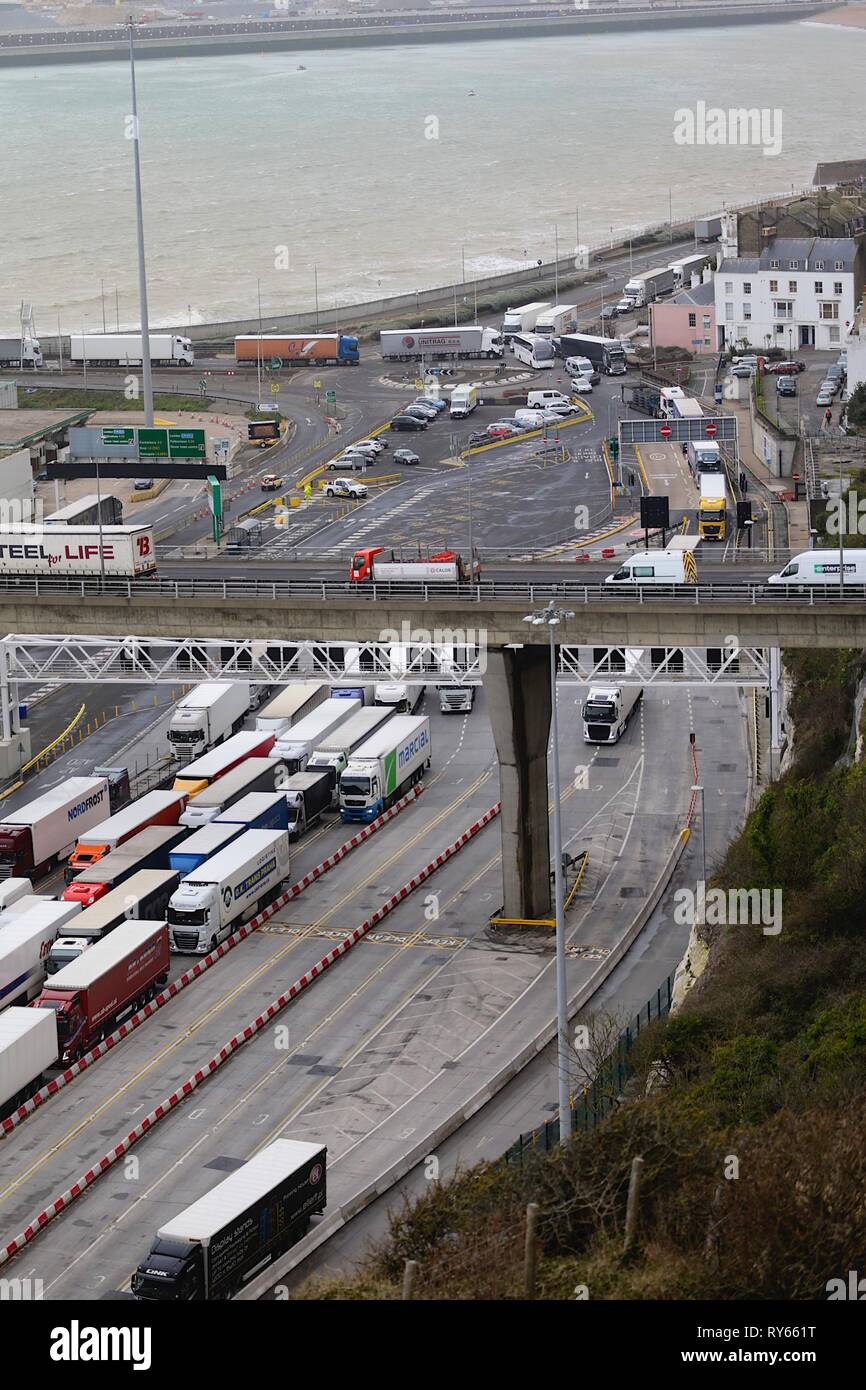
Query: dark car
pixel 788 368
pixel 407 422
pixel 786 386
pixel 608 313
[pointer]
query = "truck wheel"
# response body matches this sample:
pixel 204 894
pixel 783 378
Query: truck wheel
pixel 213 944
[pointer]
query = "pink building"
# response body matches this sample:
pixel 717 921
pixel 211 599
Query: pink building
pixel 688 320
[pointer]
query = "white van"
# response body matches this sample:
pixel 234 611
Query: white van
pixel 653 567
pixel 546 400
pixel 822 567
pixel 529 419
pixel 581 366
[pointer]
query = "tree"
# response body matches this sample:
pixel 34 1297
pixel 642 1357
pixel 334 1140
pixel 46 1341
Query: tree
pixel 857 406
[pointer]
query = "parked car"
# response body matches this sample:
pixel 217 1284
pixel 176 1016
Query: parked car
pixel 375 445
pixel 786 386
pixel 788 368
pixel 835 373
pixel 355 462
pixel 581 384
pixel 143 484
pixel 498 430
pixel 824 397
pixel 608 313
pixel 271 483
pixel 406 456
pixel 421 408
pixel 830 384
pixel 408 422
pixel 344 487
pixel 743 369
pixel 428 400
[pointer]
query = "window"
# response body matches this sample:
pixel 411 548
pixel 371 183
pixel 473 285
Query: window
pixel 838 265
pixel 828 310
pixel 747 287
pixel 729 313
pixel 783 309
pixel 774 265
pixel 774 287
pixel 729 287
pixel 708 341
pixel 707 321
pixel 693 320
pixel 792 287
pixel 792 265
pixel 834 335
pixel 819 286
pixel 837 286
pixel 747 312
pixel 819 265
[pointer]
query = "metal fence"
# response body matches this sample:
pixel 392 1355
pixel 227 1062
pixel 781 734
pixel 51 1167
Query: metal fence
pixel 603 1093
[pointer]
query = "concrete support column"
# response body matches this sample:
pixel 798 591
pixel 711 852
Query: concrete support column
pixel 517 684
pixel 775 710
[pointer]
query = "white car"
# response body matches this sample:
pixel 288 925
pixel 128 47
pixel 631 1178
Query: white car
pixel 375 446
pixel 581 385
pixel 344 487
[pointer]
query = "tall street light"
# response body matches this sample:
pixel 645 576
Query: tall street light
pixel 146 380
pixel 551 617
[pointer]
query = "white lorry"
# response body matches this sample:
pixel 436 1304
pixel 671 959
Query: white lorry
pixel 649 285
pixel 206 716
pixel 290 706
pixel 28 1046
pixel 523 319
pixel 607 711
pixel 562 318
pixel 65 552
pixel 411 344
pixel 15 354
pixel 704 456
pixel 333 753
pixel 403 696
pixel 373 563
pixel 464 399
pixel 25 943
pixel 124 350
pixel 295 747
pixel 456 699
pixel 36 836
pixel 385 767
pixel 227 889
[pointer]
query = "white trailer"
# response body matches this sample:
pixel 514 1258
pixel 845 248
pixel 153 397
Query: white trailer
pixel 411 344
pixel 15 354
pixel 24 946
pixel 562 318
pixel 206 716
pixel 607 711
pixel 252 775
pixel 385 767
pixel 118 552
pixel 523 319
pixel 124 350
pixel 34 837
pixel 227 889
pixel 687 267
pixel 648 285
pixel 290 706
pixel 13 890
pixel 332 753
pixel 297 744
pixel 28 1047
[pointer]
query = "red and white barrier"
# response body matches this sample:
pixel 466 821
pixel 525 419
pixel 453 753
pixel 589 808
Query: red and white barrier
pixel 60 1204
pixel 135 1020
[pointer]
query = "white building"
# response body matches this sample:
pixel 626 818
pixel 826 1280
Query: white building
pixel 801 292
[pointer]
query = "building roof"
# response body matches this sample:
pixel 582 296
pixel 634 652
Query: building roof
pixel 698 294
pixel 795 254
pixel 839 171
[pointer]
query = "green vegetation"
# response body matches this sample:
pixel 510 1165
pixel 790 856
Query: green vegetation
pixel 857 407
pixel 748 1106
pixel 75 398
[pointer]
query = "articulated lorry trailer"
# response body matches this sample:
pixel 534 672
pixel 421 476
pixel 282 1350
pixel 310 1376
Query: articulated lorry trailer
pixel 15 354
pixel 89 511
pixel 154 808
pixel 607 354
pixel 208 768
pixel 523 319
pixel 145 897
pixel 372 564
pixel 252 775
pixel 206 716
pixel 411 344
pixel 149 849
pixel 36 837
pixel 290 706
pixel 73 552
pixel 649 285
pixel 257 811
pixel 192 852
pixel 385 767
pixel 28 1047
pixel 227 889
pixel 307 795
pixel 294 349
pixel 92 994
pixel 25 945
pixel 296 746
pixel 333 752
pixel 124 350
pixel 210 1250
pixel 708 228
pixel 607 711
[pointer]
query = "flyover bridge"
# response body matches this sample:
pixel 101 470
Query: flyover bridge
pixel 681 615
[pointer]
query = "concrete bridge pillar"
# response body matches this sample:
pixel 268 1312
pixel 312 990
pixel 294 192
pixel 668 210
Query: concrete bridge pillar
pixel 517 684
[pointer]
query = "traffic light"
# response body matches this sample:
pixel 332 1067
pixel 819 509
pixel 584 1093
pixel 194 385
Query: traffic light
pixel 744 513
pixel 613 447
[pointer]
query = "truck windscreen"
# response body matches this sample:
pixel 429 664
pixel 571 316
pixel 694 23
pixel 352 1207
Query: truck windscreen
pixel 598 714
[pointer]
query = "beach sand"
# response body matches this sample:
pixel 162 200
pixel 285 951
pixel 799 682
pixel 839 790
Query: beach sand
pixel 848 16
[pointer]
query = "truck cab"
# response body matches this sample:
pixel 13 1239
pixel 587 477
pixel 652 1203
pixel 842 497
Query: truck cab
pixel 172 1271
pixel 71 1017
pixel 64 950
pixel 361 567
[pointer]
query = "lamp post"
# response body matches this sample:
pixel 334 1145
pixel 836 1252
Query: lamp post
pixel 146 379
pixel 551 617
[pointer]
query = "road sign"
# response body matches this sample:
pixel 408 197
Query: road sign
pixel 275 388
pixel 215 502
pixel 187 444
pixel 318 383
pixel 711 430
pixel 331 397
pixel 665 431
pixel 276 363
pixel 152 444
pixel 117 435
